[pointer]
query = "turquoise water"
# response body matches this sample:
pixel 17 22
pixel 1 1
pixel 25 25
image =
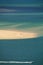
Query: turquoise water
pixel 22 50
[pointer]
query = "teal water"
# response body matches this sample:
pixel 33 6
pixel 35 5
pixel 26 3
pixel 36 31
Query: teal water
pixel 22 50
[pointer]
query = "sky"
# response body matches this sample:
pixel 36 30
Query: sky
pixel 21 19
pixel 20 2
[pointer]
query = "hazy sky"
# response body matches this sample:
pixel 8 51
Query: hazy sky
pixel 21 3
pixel 22 16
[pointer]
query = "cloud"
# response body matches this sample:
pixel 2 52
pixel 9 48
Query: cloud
pixel 11 25
pixel 23 28
pixel 41 13
pixel 7 10
pixel 36 29
pixel 16 34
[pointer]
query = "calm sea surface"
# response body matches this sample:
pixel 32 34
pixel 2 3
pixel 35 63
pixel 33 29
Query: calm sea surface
pixel 22 51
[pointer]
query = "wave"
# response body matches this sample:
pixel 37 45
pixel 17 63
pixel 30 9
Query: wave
pixel 20 62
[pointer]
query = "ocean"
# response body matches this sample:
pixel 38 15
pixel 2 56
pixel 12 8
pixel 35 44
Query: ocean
pixel 21 51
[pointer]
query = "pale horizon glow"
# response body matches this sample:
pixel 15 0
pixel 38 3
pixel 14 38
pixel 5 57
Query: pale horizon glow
pixel 13 34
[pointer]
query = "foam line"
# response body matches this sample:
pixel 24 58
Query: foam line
pixel 20 62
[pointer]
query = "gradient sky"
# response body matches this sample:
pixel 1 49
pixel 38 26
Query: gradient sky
pixel 21 16
pixel 21 2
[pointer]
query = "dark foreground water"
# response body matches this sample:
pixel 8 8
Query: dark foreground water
pixel 22 50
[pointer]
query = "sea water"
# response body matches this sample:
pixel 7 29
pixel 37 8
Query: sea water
pixel 21 52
